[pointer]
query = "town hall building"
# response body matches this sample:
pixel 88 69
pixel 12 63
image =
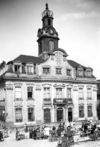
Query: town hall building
pixel 48 88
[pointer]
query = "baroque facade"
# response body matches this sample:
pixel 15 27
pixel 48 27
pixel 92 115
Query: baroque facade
pixel 48 88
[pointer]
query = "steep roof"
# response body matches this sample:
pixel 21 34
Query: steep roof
pixel 28 59
pixel 75 64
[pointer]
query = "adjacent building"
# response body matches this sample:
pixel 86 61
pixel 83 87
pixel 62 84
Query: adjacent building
pixel 48 88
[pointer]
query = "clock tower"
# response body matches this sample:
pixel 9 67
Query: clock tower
pixel 47 35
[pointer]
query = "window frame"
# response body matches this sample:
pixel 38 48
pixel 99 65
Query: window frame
pixel 68 74
pixel 20 115
pixel 18 93
pixel 30 91
pixel 31 116
pixel 89 111
pixel 81 111
pixel 58 71
pixel 46 70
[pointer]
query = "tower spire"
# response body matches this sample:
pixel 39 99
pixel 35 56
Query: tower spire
pixel 46 6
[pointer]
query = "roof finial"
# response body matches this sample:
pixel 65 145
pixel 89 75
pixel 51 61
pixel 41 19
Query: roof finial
pixel 46 5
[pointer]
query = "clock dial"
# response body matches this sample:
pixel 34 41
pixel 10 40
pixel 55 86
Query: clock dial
pixel 51 31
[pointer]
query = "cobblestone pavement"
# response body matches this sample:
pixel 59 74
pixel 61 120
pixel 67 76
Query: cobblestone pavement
pixel 43 143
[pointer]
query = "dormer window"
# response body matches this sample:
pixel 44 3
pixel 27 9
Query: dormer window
pixel 29 69
pixel 17 68
pixel 80 71
pixel 88 72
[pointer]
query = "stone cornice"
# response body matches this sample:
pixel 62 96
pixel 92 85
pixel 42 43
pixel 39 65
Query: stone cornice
pixel 39 79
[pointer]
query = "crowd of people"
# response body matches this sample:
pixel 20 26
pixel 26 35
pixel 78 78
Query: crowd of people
pixel 61 131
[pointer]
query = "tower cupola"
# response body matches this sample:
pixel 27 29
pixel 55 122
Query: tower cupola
pixel 47 35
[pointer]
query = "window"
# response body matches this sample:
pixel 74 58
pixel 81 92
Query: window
pixel 68 92
pixel 46 70
pixel 68 72
pixel 46 92
pixel 51 45
pixel 18 93
pixel 30 93
pixel 80 71
pixel 89 108
pixel 81 111
pixel 81 96
pixel 58 92
pixel 18 115
pixel 17 68
pixel 47 115
pixel 89 73
pixel 29 69
pixel 31 114
pixel 58 71
pixel 89 93
pixel 34 68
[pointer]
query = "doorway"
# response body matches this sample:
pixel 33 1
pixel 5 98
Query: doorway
pixel 59 114
pixel 70 115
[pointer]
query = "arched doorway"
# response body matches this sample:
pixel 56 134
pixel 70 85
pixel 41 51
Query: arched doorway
pixel 70 114
pixel 47 115
pixel 59 114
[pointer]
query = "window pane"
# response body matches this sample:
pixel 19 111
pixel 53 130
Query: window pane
pixel 81 93
pixel 58 70
pixel 68 72
pixel 18 92
pixel 47 115
pixel 18 114
pixel 68 92
pixel 81 111
pixel 30 92
pixel 46 70
pixel 59 92
pixel 90 111
pixel 31 114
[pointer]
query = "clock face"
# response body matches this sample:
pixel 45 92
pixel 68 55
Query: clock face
pixel 51 31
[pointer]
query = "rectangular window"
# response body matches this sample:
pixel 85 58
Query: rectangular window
pixel 89 108
pixel 68 72
pixel 30 92
pixel 46 92
pixel 69 93
pixel 58 92
pixel 89 93
pixel 58 71
pixel 81 111
pixel 18 115
pixel 17 68
pixel 81 96
pixel 46 70
pixel 29 69
pixel 18 93
pixel 31 114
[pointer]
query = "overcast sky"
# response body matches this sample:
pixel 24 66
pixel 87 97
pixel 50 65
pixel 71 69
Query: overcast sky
pixel 76 21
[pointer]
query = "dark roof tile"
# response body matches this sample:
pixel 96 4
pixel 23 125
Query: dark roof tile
pixel 28 59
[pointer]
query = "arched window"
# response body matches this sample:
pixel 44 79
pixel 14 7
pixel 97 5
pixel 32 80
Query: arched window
pixel 51 45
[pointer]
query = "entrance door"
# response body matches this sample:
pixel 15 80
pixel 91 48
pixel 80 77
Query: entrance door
pixel 59 114
pixel 70 114
pixel 47 117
